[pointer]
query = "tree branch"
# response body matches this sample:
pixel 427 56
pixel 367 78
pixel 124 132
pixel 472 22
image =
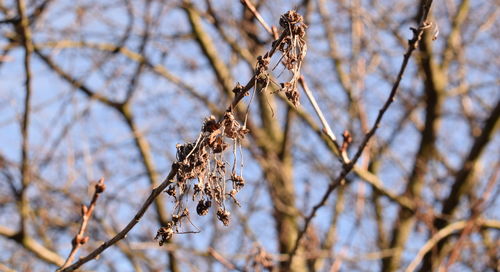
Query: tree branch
pixel 240 92
pixel 33 246
pixel 79 239
pixel 413 43
pixel 443 233
pixel 25 35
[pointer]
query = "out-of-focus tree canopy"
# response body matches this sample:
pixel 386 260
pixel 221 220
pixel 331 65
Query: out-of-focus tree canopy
pixel 130 91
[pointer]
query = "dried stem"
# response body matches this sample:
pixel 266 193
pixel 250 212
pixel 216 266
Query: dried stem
pixel 443 233
pixel 251 82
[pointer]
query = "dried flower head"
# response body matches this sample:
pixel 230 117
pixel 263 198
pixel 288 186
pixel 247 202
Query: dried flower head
pixel 294 49
pixel 202 161
pixel 203 206
pixel 164 233
pixel 224 216
pixel 238 181
pixel 290 18
pixel 232 194
pixel 233 129
pixel 171 190
pixel 210 124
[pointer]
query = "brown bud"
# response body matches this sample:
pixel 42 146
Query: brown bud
pixel 84 240
pixel 100 187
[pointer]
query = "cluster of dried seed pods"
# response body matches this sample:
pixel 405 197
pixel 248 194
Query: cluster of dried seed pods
pixel 202 173
pixel 201 168
pixel 294 50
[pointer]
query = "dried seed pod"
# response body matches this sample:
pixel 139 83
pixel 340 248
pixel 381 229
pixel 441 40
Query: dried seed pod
pixel 198 188
pixel 208 190
pixel 291 92
pixel 238 181
pixel 221 166
pixel 290 18
pixel 217 194
pixel 218 145
pixel 294 17
pixel 183 150
pixel 232 194
pixel 210 124
pixel 164 233
pixel 224 216
pixel 171 190
pixel 232 127
pixel 300 30
pixel 202 207
pixel 284 22
pixel 242 132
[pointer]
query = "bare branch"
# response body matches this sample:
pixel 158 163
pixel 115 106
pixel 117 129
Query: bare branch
pixel 443 233
pixel 240 92
pixel 123 233
pixel 79 240
pixel 413 43
pixel 257 15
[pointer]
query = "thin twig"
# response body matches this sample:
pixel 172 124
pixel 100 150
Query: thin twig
pixel 123 233
pixel 413 44
pixel 216 255
pixel 477 209
pixel 326 127
pixel 79 240
pixel 257 15
pixel 443 233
